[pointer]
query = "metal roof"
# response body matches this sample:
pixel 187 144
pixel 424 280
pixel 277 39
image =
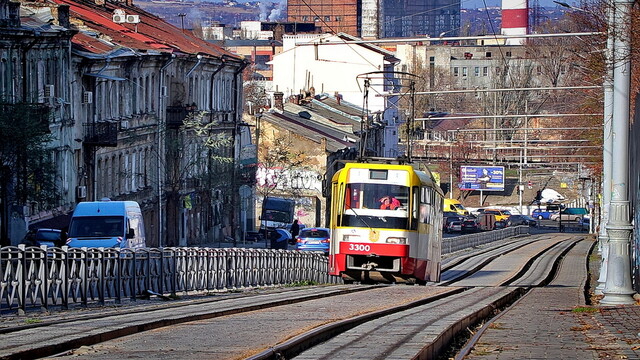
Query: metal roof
pixel 150 35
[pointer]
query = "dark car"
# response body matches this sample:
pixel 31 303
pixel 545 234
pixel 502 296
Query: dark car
pixel 48 237
pixel 500 224
pixel 314 239
pixel 521 220
pixel 469 226
pixel 448 214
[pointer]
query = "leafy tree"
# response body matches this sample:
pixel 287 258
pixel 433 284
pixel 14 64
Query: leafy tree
pixel 28 173
pixel 278 156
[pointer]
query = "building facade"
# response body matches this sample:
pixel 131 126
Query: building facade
pixel 333 16
pixel 153 116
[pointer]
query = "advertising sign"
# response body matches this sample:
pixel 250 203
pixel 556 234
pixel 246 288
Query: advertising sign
pixel 486 178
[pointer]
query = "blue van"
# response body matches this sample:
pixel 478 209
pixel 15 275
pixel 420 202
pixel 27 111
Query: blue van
pixel 108 224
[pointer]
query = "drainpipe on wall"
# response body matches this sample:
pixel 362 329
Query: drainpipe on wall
pixel 162 123
pixel 236 147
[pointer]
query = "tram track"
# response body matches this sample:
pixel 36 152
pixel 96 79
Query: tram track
pixel 435 328
pixel 447 296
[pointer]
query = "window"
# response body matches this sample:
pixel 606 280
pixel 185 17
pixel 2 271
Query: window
pixel 327 18
pixel 488 54
pixel 305 18
pixel 338 18
pixel 476 71
pixel 464 71
pixel 455 71
pixel 508 54
pixel 485 71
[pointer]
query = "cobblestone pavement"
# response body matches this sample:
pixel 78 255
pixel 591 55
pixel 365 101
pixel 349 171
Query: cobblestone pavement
pixel 558 322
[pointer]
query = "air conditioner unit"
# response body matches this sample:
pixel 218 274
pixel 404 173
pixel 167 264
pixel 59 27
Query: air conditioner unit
pixel 133 19
pixel 49 91
pixel 124 124
pixel 87 97
pixel 119 19
pixel 81 192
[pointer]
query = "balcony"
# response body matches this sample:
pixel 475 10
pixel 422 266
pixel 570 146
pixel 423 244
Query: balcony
pixel 101 134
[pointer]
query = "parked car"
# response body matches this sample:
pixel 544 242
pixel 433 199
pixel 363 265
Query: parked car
pixel 469 226
pixel 571 214
pixel 500 224
pixel 450 219
pixel 477 212
pixel 49 237
pixel 314 239
pixel 521 220
pixel 452 214
pixel 543 213
pixel 498 214
pixel 454 226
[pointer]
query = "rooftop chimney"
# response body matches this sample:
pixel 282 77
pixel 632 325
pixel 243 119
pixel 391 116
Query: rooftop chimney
pixel 278 98
pixel 63 16
pixel 515 20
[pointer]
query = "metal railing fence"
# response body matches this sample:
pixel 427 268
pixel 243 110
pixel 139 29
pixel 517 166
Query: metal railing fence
pixel 43 277
pixel 462 242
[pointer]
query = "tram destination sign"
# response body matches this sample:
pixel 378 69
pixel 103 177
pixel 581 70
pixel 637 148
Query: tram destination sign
pixel 486 178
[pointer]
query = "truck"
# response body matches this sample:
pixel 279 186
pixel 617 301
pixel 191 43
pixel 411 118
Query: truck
pixel 108 224
pixel 276 213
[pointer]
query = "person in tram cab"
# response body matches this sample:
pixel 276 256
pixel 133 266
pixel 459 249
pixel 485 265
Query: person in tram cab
pixel 389 203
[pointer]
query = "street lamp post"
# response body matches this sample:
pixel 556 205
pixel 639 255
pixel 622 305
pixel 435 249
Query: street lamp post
pixel 607 158
pixel 618 289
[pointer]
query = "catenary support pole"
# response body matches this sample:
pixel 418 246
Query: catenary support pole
pixel 618 289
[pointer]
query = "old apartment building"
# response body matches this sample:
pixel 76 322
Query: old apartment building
pixel 117 83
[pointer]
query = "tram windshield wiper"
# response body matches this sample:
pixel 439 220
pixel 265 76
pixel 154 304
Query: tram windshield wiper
pixel 360 217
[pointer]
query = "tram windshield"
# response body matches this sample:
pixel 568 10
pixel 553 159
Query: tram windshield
pixel 376 205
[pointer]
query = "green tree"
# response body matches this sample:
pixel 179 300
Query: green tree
pixel 28 173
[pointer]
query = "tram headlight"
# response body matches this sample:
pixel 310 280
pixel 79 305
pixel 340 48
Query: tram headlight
pixel 351 237
pixel 396 240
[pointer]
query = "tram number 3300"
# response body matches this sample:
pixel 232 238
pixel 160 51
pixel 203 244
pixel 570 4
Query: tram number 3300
pixel 359 247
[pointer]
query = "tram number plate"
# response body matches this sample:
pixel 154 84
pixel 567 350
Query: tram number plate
pixel 360 247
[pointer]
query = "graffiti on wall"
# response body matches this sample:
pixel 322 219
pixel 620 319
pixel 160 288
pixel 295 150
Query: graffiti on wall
pixel 289 179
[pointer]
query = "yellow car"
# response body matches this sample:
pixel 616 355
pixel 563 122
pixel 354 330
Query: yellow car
pixel 498 214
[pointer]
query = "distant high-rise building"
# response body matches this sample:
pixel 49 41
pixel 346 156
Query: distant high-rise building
pixel 333 16
pixel 379 18
pixel 410 18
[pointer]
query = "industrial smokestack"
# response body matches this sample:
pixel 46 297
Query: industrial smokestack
pixel 515 20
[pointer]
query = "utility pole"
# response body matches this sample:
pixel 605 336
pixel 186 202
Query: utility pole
pixel 618 289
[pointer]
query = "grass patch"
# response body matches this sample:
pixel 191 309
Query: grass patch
pixel 585 309
pixel 32 321
pixel 302 283
pixel 174 297
pixel 496 325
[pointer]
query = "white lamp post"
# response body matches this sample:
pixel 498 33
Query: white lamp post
pixel 618 289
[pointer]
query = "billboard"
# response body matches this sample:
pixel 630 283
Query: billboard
pixel 487 178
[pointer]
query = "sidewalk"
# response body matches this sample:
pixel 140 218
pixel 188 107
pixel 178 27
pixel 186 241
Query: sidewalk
pixel 553 322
